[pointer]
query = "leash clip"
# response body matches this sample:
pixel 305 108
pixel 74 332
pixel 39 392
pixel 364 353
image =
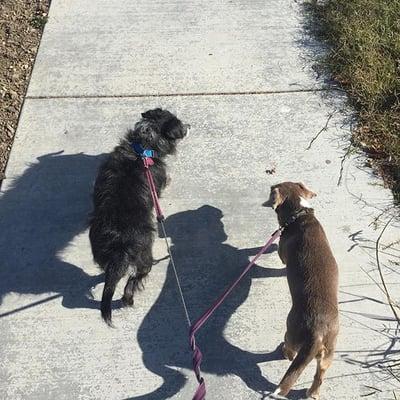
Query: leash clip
pixel 147 153
pixel 147 162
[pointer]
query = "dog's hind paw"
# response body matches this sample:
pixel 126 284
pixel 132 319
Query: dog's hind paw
pixel 276 395
pixel 312 395
pixel 127 301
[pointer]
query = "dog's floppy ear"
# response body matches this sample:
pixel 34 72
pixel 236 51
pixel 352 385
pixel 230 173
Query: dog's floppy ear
pixel 275 198
pixel 308 194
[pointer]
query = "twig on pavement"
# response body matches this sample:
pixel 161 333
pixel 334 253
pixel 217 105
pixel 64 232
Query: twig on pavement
pixel 322 130
pixel 342 163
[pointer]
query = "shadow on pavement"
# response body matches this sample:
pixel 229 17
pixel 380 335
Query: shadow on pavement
pixel 206 266
pixel 40 214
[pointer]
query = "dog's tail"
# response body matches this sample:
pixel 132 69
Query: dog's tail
pixel 306 354
pixel 114 271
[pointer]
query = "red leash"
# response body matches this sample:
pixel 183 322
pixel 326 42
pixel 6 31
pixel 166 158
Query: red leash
pixel 194 328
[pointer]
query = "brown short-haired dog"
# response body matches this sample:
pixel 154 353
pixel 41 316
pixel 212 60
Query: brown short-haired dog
pixel 312 274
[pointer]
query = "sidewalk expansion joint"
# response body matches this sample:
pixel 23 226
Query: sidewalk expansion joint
pixel 194 94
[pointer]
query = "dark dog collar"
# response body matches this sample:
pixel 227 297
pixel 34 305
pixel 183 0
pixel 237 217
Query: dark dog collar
pixel 140 151
pixel 294 217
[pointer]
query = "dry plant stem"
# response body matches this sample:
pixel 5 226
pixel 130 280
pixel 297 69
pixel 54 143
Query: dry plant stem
pixel 394 243
pixel 322 130
pixel 342 164
pixel 393 375
pixel 393 305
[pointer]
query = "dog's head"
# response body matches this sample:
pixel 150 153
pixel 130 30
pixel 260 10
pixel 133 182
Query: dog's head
pixel 294 193
pixel 160 130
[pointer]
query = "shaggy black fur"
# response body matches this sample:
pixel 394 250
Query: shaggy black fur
pixel 122 224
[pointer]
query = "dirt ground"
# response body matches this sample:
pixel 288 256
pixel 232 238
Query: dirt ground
pixel 21 26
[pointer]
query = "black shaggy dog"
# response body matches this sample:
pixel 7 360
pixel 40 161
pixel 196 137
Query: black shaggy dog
pixel 122 224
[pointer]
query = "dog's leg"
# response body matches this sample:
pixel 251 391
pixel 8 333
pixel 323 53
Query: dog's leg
pixel 288 353
pixel 127 298
pixel 130 288
pixel 143 265
pixel 282 253
pixel 288 349
pixel 323 363
pixel 114 272
pixel 291 341
pixel 307 352
pixel 142 273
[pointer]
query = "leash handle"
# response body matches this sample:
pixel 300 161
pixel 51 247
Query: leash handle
pixel 197 355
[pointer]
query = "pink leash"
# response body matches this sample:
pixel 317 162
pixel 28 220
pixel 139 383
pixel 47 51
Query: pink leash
pixel 147 162
pixel 195 327
pixel 197 355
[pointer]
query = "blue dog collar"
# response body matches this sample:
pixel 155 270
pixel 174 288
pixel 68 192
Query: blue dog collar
pixel 140 151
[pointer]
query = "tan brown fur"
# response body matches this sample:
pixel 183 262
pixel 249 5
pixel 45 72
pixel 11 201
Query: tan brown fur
pixel 312 274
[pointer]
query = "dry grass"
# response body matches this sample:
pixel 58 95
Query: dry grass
pixel 363 37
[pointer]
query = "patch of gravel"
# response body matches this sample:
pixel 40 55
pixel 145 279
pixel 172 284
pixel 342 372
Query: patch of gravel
pixel 21 27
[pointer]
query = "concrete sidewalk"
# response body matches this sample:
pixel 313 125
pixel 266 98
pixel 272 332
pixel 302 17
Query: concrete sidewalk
pixel 236 71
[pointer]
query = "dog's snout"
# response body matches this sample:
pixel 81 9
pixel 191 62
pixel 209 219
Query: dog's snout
pixel 267 203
